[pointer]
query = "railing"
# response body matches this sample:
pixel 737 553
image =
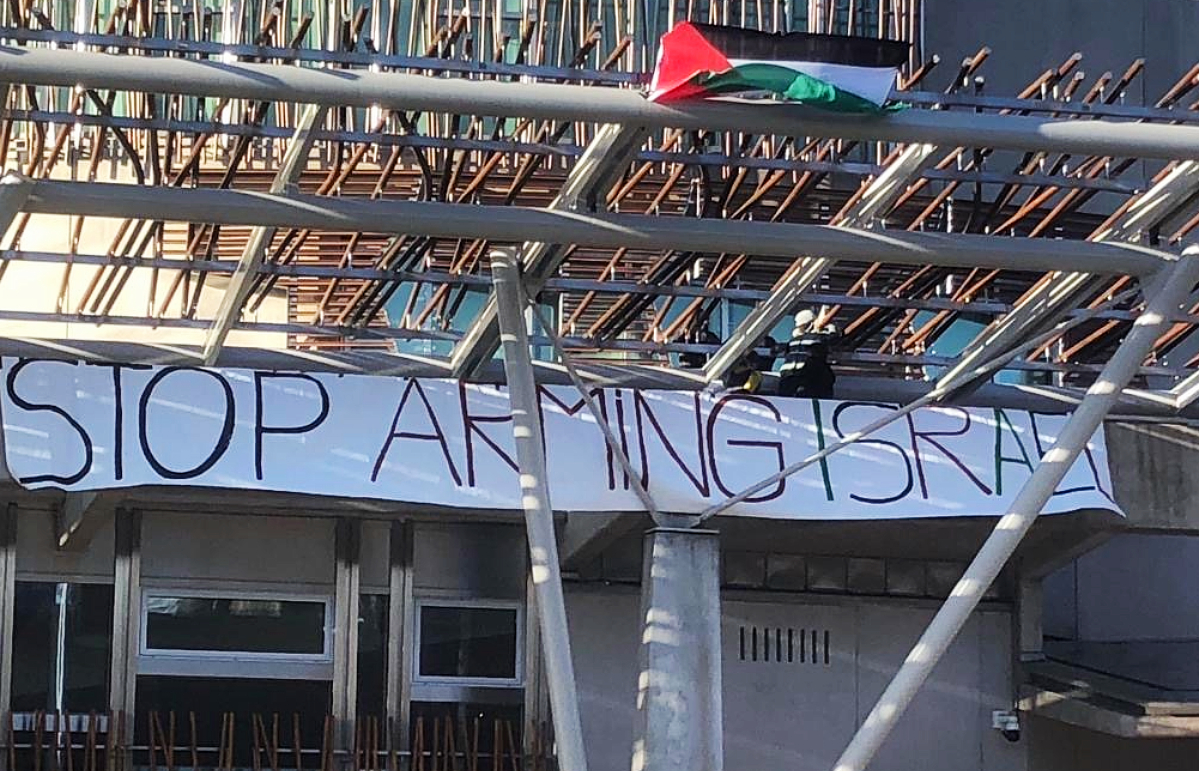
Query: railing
pixel 166 741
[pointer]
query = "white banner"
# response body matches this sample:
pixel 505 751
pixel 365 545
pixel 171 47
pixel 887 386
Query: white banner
pixel 80 426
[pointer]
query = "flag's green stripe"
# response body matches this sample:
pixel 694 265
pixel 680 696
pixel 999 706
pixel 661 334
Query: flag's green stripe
pixel 789 84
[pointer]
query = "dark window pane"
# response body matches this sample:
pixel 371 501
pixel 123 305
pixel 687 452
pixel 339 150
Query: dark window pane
pixel 75 619
pixel 298 706
pixel 35 628
pixel 233 625
pixel 372 654
pixel 467 642
pixel 88 647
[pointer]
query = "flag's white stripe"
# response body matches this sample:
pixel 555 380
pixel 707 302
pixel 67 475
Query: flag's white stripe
pixel 871 83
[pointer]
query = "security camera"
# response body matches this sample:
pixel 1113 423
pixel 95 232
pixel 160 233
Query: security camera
pixel 1006 722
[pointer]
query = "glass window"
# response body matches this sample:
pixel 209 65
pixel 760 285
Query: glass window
pixel 250 625
pixel 62 638
pixel 468 642
pixel 372 654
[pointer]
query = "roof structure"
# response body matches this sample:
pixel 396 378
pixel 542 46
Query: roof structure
pixel 370 185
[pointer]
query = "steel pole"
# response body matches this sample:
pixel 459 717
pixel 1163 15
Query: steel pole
pixel 362 88
pixel 601 422
pixel 14 192
pixel 514 224
pixel 539 514
pixel 1167 291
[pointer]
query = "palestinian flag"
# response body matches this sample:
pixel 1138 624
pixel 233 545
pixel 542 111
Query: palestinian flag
pixel 835 72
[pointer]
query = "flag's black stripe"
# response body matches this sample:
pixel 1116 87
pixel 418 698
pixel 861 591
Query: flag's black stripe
pixel 737 43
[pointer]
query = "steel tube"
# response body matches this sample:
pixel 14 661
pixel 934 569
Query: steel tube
pixel 600 419
pixel 516 223
pixel 254 254
pixel 14 193
pixel 286 83
pixel 1167 292
pixel 539 513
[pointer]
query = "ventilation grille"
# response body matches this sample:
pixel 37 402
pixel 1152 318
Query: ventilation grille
pixel 783 645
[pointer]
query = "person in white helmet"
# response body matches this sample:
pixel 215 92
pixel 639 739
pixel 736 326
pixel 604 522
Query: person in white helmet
pixel 806 371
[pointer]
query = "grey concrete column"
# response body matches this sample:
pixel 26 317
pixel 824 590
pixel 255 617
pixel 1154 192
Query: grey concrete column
pixel 400 621
pixel 345 630
pixel 679 714
pixel 126 633
pixel 8 572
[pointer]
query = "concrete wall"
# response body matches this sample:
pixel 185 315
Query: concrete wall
pixel 1055 746
pixel 798 716
pixel 1134 587
pixel 1029 36
pixel 38 557
pixel 282 553
pixel 1155 473
pixel 780 714
pixel 1129 588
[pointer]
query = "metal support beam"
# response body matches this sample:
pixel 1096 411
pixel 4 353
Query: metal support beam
pixel 875 201
pixel 400 637
pixel 539 514
pixel 1156 205
pixel 585 189
pixel 253 256
pixel 347 548
pixel 363 88
pixel 8 582
pixel 586 536
pixel 679 721
pixel 126 634
pixel 1186 392
pixel 614 445
pixel 14 190
pixel 1167 292
pixel 511 224
pixel 1051 301
pixel 1041 308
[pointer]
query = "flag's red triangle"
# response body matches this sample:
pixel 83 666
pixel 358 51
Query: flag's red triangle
pixel 683 54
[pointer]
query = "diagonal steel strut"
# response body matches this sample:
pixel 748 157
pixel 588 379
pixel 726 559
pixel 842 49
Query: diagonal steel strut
pixel 1167 291
pixel 252 257
pixel 875 201
pixel 585 188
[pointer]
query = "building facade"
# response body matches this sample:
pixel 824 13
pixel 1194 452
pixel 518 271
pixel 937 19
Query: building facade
pixel 228 627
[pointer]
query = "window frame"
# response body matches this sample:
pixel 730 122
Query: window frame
pixel 518 678
pixel 145 652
